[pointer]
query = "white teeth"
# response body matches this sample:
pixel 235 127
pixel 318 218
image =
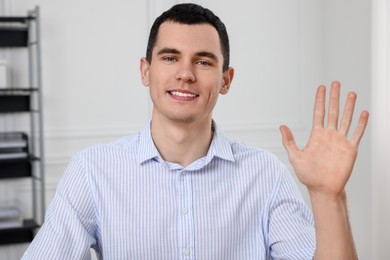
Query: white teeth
pixel 181 94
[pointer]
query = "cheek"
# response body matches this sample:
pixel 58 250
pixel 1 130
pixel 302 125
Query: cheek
pixel 219 87
pixel 214 94
pixel 153 91
pixel 158 77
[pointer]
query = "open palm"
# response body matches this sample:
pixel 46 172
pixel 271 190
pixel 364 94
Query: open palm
pixel 326 162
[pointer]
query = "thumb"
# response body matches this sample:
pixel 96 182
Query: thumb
pixel 288 140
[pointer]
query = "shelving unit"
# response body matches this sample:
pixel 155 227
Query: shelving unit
pixel 24 33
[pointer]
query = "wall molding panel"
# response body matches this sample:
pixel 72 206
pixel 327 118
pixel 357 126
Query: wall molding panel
pixel 91 131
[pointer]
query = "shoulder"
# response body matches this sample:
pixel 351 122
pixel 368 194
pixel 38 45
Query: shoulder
pixel 125 143
pixel 260 163
pixel 244 152
pixel 126 146
pixel 247 158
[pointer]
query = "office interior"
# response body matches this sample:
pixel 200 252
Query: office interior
pixel 281 51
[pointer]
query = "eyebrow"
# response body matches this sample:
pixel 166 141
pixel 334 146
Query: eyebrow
pixel 199 53
pixel 168 50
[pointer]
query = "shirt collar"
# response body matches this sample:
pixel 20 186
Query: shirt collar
pixel 147 149
pixel 220 146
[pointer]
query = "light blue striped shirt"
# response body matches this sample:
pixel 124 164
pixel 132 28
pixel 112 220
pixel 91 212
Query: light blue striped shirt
pixel 126 202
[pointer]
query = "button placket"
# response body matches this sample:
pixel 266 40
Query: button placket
pixel 185 205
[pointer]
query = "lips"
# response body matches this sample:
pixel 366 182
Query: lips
pixel 182 95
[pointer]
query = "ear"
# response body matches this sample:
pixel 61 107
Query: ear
pixel 144 67
pixel 227 80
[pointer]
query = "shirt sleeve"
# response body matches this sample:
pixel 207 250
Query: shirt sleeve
pixel 291 230
pixel 69 226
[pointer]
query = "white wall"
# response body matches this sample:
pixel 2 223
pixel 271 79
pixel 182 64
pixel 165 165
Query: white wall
pixel 381 128
pixel 281 49
pixel 346 54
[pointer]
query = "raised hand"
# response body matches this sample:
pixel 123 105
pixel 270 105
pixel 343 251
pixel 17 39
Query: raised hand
pixel 325 164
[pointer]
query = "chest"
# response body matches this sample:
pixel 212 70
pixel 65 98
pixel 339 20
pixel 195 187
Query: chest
pixel 181 214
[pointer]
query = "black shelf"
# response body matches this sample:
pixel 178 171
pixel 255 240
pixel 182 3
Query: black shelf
pixel 13 36
pixel 15 19
pixel 7 91
pixel 15 168
pixel 15 31
pixel 23 234
pixel 14 102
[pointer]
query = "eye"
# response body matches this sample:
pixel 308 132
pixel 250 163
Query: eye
pixel 169 58
pixel 204 63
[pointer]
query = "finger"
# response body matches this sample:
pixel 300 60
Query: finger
pixel 348 113
pixel 334 105
pixel 360 128
pixel 319 108
pixel 288 140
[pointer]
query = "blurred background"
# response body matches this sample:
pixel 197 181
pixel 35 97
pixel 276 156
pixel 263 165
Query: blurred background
pixel 282 50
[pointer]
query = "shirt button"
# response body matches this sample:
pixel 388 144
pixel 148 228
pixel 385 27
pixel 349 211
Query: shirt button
pixel 187 252
pixel 185 211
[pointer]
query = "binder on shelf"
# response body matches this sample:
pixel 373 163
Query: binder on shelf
pixel 3 74
pixel 14 157
pixel 13 140
pixel 13 145
pixel 10 217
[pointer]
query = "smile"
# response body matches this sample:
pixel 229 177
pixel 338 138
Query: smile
pixel 183 95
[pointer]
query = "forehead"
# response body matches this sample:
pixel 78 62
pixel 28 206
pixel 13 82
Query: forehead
pixel 192 38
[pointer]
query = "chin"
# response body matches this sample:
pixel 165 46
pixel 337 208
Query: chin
pixel 181 118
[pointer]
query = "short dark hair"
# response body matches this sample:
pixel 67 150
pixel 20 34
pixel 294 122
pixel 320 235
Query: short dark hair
pixel 190 14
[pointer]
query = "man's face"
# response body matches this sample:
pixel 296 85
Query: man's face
pixel 185 75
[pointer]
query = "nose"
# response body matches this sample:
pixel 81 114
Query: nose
pixel 185 72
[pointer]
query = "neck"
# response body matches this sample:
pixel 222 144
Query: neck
pixel 182 143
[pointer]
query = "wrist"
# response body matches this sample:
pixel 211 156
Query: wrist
pixel 326 198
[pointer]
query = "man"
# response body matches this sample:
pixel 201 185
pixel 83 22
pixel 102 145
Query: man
pixel 180 189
